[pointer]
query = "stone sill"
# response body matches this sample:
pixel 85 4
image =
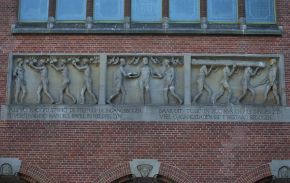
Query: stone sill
pixel 148 30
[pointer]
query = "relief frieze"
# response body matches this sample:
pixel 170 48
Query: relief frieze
pixel 145 87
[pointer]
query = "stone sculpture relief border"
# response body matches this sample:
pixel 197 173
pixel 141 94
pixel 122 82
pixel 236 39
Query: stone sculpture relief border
pixel 180 79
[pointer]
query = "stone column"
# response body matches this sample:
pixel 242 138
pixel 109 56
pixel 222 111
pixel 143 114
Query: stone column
pixel 187 79
pixel 103 79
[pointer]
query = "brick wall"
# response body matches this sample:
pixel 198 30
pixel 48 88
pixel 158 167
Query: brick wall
pixel 74 152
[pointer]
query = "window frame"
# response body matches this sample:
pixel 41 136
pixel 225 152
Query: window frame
pixel 262 23
pixel 138 21
pixel 70 21
pixel 223 22
pixel 185 21
pixel 32 21
pixel 109 21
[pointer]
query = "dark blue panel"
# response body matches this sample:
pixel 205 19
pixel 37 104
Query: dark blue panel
pixel 71 10
pixel 260 11
pixel 223 11
pixel 184 10
pixel 109 10
pixel 33 10
pixel 147 10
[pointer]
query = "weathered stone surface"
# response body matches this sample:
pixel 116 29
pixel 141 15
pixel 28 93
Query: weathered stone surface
pixel 148 113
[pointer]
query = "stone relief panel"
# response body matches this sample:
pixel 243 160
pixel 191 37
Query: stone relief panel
pixel 145 80
pixel 55 80
pixel 135 79
pixel 239 81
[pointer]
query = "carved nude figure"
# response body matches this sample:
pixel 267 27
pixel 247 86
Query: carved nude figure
pixel 246 83
pixel 144 81
pixel 43 85
pixel 119 76
pixel 87 81
pixel 19 81
pixel 224 84
pixel 271 81
pixel 62 67
pixel 169 82
pixel 201 83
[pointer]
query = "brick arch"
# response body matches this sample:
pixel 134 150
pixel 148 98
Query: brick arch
pixel 34 174
pixel 123 170
pixel 255 174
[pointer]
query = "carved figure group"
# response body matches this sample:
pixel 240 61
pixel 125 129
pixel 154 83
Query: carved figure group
pixel 145 75
pixel 250 71
pixel 145 72
pixel 41 67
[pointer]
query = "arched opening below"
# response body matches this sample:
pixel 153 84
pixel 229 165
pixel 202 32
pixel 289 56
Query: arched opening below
pixel 271 179
pixel 12 179
pixel 132 179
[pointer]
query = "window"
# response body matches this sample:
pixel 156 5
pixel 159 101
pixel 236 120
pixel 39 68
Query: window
pixel 146 10
pixel 260 11
pixel 108 10
pixel 71 10
pixel 222 11
pixel 33 10
pixel 184 10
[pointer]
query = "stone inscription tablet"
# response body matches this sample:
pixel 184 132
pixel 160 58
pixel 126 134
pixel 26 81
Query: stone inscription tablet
pixel 146 113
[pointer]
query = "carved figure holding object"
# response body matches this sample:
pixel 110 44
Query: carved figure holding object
pixel 20 85
pixel 271 81
pixel 87 80
pixel 119 77
pixel 41 67
pixel 246 83
pixel 225 85
pixel 62 67
pixel 202 84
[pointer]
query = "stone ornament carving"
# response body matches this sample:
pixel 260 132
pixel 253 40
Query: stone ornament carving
pixel 9 166
pixel 145 80
pixel 144 167
pixel 284 172
pixel 6 169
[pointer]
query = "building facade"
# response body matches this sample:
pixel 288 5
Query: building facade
pixel 117 91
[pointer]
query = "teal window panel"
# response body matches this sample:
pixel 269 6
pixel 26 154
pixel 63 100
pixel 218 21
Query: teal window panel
pixel 146 10
pixel 33 10
pixel 71 10
pixel 184 10
pixel 260 11
pixel 222 11
pixel 109 10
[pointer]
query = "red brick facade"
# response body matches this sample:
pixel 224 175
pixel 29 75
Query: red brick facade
pixel 82 152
